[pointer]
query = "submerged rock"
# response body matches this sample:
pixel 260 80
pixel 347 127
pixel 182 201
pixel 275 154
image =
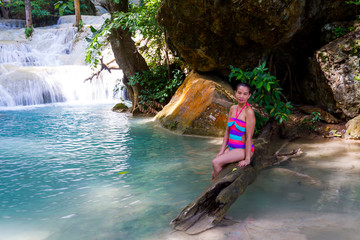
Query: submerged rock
pixel 335 81
pixel 353 128
pixel 199 106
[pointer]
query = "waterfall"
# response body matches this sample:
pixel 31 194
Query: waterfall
pixel 51 67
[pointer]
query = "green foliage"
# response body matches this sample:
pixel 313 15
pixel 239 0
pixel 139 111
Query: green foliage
pixel 356 2
pixel 65 7
pixel 97 42
pixel 313 122
pixel 155 86
pixel 81 25
pixel 267 93
pixel 29 31
pixel 38 8
pixel 315 117
pixel 339 32
pixel 1 4
pixel 139 20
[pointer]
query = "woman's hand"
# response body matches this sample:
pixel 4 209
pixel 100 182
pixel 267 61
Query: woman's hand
pixel 220 153
pixel 244 163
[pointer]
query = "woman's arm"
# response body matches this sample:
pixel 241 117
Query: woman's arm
pixel 226 136
pixel 250 127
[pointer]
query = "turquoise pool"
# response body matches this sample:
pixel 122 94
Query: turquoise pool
pixel 59 179
pixel 59 173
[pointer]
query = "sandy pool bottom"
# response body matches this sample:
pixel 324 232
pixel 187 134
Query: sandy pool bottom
pixel 314 197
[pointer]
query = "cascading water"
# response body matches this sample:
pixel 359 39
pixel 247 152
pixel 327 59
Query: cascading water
pixel 51 66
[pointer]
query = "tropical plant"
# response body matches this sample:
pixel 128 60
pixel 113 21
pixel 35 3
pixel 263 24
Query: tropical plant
pixel 356 2
pixel 38 8
pixel 156 86
pixel 65 7
pixel 315 117
pixel 339 32
pixel 97 42
pixel 267 94
pixel 29 31
pixel 138 21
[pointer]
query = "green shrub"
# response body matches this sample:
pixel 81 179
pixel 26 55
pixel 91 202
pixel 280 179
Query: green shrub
pixel 155 85
pixel 267 94
pixel 339 32
pixel 29 31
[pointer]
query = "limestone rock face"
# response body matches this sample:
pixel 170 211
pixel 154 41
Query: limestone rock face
pixel 199 107
pixel 213 34
pixel 353 128
pixel 335 81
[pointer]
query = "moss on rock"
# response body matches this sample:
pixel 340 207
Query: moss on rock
pixel 120 107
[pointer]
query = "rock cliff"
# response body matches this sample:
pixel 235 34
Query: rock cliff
pixel 213 34
pixel 335 76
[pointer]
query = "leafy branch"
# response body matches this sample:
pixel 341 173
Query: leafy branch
pixel 138 20
pixel 267 94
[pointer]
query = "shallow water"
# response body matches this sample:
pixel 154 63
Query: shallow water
pixel 315 196
pixel 59 179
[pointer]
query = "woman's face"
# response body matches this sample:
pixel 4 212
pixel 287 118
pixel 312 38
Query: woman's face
pixel 242 94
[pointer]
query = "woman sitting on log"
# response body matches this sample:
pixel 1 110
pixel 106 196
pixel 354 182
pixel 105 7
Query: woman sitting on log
pixel 238 143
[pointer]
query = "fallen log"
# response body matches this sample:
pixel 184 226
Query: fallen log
pixel 210 207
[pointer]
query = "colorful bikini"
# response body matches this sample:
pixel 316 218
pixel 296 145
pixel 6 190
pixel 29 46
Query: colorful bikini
pixel 237 130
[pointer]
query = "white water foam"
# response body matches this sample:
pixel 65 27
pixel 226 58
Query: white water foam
pixel 51 67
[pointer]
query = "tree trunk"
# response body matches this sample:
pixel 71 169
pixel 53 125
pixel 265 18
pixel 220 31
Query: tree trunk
pixel 4 12
pixel 28 14
pixel 77 12
pixel 211 206
pixel 126 54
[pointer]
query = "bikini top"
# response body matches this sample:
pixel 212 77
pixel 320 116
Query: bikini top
pixel 240 126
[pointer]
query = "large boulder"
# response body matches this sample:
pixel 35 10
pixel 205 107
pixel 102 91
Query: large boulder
pixel 335 80
pixel 353 128
pixel 199 106
pixel 213 34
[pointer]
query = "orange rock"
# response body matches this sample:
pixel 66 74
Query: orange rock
pixel 199 107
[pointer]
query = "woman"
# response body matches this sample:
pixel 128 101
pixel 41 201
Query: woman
pixel 238 143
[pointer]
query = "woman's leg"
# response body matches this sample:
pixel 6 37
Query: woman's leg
pixel 234 155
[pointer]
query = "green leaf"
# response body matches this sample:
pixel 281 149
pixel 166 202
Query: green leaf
pixel 93 30
pixel 268 87
pixel 124 172
pixel 259 84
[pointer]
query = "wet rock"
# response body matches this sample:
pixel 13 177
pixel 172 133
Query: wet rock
pixel 120 107
pixel 353 128
pixel 199 106
pixel 325 116
pixel 335 81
